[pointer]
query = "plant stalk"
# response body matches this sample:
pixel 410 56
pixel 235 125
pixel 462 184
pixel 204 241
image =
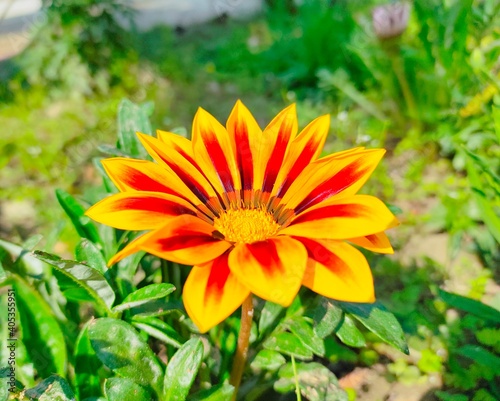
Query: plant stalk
pixel 240 358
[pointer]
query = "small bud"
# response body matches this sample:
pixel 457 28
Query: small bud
pixel 390 20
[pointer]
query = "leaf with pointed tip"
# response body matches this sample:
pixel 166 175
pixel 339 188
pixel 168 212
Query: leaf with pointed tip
pixel 83 276
pixel 182 369
pixel 144 295
pixel 76 213
pixel 471 306
pixel 379 321
pixel 88 253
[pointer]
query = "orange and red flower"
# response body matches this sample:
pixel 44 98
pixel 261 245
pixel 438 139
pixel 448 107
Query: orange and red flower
pixel 254 211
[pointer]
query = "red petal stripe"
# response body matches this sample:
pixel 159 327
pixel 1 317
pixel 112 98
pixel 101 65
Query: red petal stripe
pixel 340 181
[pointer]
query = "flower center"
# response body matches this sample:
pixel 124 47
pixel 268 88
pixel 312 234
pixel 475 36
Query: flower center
pixel 246 225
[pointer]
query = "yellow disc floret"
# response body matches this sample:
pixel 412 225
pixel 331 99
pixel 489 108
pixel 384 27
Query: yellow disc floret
pixel 246 225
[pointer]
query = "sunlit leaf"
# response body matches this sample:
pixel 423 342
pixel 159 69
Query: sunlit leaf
pixel 306 335
pixel 220 392
pixel 88 253
pixel 268 360
pixel 83 276
pixel 76 213
pixel 182 369
pixel 379 321
pixel 349 334
pixel 50 389
pixel 87 380
pixel 144 295
pixel 289 344
pixel 123 389
pixel 41 332
pixel 158 329
pixel 120 348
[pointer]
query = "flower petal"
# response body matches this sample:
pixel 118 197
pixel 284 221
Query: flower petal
pixel 214 153
pixel 244 134
pixel 303 149
pixel 273 145
pixel 376 243
pixel 338 270
pixel 197 188
pixel 141 175
pixel 272 269
pixel 184 239
pixel 134 210
pixel 212 293
pixel 337 176
pixel 355 216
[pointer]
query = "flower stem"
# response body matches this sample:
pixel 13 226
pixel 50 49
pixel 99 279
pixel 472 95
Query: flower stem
pixel 240 357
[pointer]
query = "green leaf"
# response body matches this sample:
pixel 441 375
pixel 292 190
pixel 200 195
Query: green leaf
pixel 340 80
pixel 54 388
pixel 306 335
pixel 158 329
pixel 76 213
pixel 88 253
pixel 289 344
pixel 83 276
pixel 268 360
pixel 144 295
pixel 445 396
pixel 87 381
pixel 269 317
pixel 122 389
pixel 349 334
pixel 19 260
pixel 470 305
pixel 31 242
pixel 182 369
pixel 132 118
pixel 379 321
pixel 120 348
pixel 221 392
pixel 41 333
pixel 326 316
pixel 481 356
pixel 156 307
pixel 488 336
pixel 316 382
pixel 489 214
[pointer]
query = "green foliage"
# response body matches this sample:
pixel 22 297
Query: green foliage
pixel 78 46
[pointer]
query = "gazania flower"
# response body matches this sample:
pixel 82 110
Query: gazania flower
pixel 254 211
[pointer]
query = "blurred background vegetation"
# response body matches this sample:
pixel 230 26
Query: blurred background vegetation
pixel 428 93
